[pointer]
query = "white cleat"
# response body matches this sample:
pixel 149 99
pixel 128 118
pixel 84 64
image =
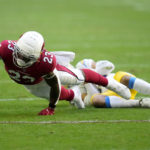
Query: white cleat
pixel 118 88
pixel 145 102
pixel 77 101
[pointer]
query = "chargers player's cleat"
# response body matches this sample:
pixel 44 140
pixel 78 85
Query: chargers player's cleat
pixel 118 88
pixel 145 102
pixel 77 100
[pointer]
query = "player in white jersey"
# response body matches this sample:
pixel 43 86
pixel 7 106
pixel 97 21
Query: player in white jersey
pixel 100 97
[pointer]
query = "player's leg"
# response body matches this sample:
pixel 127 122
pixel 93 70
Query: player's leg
pixel 109 99
pixel 113 102
pixel 72 95
pixel 40 90
pixel 101 101
pixel 111 84
pixel 69 76
pixel 137 84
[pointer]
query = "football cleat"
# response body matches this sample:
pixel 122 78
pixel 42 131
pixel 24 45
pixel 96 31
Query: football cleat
pixel 145 102
pixel 118 88
pixel 77 100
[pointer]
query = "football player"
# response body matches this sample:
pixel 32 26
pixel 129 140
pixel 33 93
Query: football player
pixel 28 63
pixel 100 97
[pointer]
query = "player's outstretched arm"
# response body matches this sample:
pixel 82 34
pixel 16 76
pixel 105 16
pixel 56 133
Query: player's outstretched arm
pixel 53 81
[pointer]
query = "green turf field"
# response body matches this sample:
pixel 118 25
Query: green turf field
pixel 117 30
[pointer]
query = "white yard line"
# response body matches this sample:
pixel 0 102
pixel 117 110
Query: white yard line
pixel 20 99
pixel 74 122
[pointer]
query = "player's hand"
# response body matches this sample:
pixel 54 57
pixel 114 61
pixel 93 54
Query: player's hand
pixel 47 111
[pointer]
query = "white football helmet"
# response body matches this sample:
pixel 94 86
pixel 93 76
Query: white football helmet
pixel 104 67
pixel 28 49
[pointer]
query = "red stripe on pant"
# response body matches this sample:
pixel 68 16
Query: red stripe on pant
pixel 65 69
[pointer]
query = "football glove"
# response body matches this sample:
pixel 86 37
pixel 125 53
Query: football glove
pixel 47 111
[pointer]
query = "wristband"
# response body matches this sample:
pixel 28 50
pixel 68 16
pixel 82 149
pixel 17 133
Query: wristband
pixel 52 106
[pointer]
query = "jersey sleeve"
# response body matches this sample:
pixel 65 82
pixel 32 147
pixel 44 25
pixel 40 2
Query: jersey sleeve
pixel 48 62
pixel 6 47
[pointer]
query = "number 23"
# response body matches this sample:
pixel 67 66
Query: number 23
pixel 47 59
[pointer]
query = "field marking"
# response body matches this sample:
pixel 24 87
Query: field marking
pixel 75 122
pixel 20 99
